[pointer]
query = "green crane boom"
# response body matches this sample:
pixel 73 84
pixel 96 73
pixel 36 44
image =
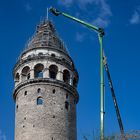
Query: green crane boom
pixel 103 64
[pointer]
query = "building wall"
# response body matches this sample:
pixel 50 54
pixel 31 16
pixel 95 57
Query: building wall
pixel 54 118
pixel 50 121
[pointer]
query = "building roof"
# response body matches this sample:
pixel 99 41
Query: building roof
pixel 46 36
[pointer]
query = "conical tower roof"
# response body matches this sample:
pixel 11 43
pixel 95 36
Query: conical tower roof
pixel 46 36
pixel 45 44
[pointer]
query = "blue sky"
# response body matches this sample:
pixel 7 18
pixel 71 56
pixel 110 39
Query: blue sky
pixel 121 20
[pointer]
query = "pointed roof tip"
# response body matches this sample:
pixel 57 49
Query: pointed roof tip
pixel 46 36
pixel 47 13
pixel 46 19
pixel 45 23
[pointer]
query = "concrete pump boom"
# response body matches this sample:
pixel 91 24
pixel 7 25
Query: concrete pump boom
pixel 103 60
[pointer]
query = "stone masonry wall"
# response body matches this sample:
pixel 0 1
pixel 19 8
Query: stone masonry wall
pixel 49 121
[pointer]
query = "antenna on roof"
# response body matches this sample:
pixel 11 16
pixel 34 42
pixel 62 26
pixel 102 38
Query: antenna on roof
pixel 47 13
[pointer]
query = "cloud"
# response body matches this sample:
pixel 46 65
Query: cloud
pixel 135 19
pixel 28 7
pixel 105 8
pixel 103 18
pixel 81 3
pixel 80 37
pixel 66 3
pixel 101 22
pixel 2 136
pixel 102 15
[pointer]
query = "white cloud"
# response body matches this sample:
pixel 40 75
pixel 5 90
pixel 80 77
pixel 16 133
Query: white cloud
pixel 80 37
pixel 135 19
pixel 28 7
pixel 83 3
pixel 103 18
pixel 105 8
pixel 101 22
pixel 102 15
pixel 2 136
pixel 66 3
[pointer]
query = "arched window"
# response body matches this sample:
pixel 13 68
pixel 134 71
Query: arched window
pixel 29 57
pixel 39 101
pixel 40 54
pixel 38 70
pixel 66 105
pixel 38 90
pixel 25 73
pixel 66 76
pixel 17 77
pixel 53 55
pixel 53 69
pixel 67 95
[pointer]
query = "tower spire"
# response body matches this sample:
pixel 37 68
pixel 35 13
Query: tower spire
pixel 47 13
pixel 45 90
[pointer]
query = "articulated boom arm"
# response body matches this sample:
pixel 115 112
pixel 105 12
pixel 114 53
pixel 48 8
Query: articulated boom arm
pixel 101 33
pixel 57 13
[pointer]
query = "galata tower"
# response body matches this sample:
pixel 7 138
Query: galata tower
pixel 45 92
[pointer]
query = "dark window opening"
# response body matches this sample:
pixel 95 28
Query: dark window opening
pixel 44 33
pixel 42 44
pixel 66 76
pixel 53 69
pixel 24 118
pixel 23 126
pixel 29 56
pixel 38 90
pixel 53 55
pixel 38 70
pixel 25 93
pixel 53 116
pixel 66 105
pixel 53 90
pixel 33 125
pixel 63 59
pixel 17 77
pixel 53 75
pixel 67 96
pixel 39 101
pixel 25 73
pixel 40 54
pixel 17 107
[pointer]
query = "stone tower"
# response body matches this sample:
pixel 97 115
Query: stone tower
pixel 45 89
